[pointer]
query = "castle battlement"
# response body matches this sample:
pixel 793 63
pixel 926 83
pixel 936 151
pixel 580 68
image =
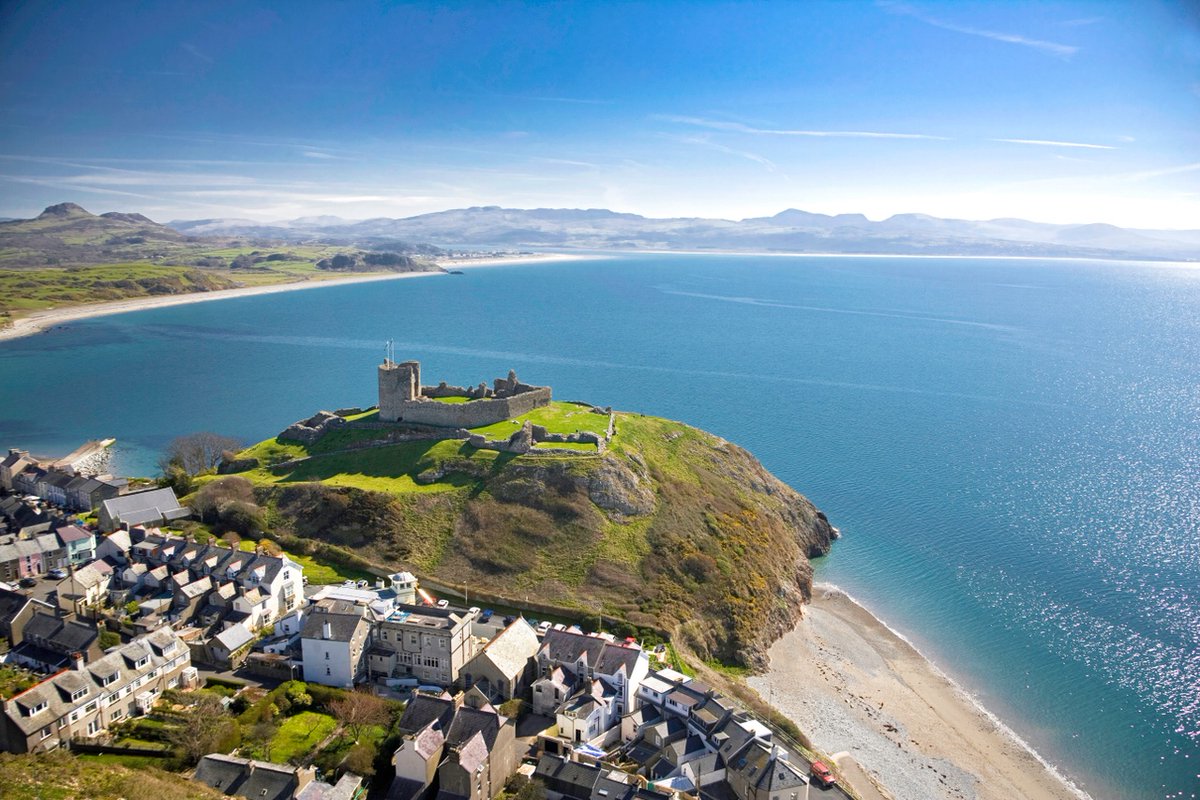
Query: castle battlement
pixel 402 398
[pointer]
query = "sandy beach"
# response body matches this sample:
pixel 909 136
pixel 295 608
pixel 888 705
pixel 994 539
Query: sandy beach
pixel 864 694
pixel 41 320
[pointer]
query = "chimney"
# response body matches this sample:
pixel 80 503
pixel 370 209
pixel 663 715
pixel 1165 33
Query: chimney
pixel 78 659
pixel 326 630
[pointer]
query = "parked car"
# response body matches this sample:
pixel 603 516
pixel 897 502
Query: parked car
pixel 486 616
pixel 28 581
pixel 443 603
pixel 57 573
pixel 821 775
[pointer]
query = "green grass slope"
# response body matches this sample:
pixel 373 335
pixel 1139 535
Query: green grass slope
pixel 62 776
pixel 672 528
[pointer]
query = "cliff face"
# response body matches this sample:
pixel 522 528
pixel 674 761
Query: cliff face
pixel 672 528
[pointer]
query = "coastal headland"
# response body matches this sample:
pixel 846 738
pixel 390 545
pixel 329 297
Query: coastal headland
pixel 862 692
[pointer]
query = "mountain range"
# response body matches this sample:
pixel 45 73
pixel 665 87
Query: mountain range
pixel 789 231
pixel 66 234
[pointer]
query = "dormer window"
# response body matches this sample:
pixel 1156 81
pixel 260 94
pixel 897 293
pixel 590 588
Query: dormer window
pixel 79 694
pixel 141 662
pixel 109 679
pixel 38 708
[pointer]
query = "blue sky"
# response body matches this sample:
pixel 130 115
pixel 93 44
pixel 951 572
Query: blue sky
pixel 1058 112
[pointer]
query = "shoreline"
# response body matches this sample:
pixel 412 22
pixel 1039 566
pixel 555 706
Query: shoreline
pixel 862 691
pixel 39 321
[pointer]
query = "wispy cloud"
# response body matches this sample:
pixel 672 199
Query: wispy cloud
pixel 1052 143
pixel 197 52
pixel 74 187
pixel 570 162
pixel 738 127
pixel 1052 48
pixel 1160 173
pixel 323 156
pixel 706 142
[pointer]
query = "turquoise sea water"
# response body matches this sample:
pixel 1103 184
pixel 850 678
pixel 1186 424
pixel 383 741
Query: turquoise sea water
pixel 1011 448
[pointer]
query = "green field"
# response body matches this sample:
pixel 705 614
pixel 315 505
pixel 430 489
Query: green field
pixel 27 290
pixel 298 735
pixel 557 417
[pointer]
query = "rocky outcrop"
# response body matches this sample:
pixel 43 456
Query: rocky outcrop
pixel 313 428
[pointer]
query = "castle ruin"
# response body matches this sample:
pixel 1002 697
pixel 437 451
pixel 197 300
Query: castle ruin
pixel 402 398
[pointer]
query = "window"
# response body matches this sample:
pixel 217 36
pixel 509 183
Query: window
pixel 46 731
pixel 93 727
pixel 79 694
pixel 38 708
pixel 327 670
pixel 326 655
pixel 141 662
pixel 90 707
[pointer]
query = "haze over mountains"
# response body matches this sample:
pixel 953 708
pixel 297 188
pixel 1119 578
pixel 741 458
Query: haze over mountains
pixel 789 231
pixel 67 234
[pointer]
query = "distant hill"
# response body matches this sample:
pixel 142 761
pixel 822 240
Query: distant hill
pixel 792 230
pixel 68 234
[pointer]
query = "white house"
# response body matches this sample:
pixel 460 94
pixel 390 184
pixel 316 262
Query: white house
pixel 333 645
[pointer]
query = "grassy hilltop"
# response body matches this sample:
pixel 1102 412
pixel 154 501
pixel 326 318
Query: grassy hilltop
pixel 68 256
pixel 670 528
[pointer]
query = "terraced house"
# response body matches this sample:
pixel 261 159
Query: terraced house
pixel 83 701
pixel 271 585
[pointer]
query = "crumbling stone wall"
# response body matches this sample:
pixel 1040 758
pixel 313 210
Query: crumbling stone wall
pixel 402 398
pixel 313 428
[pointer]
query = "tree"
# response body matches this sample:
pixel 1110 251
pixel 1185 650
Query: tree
pixel 196 453
pixel 360 760
pixel 205 727
pixel 356 710
pixel 240 519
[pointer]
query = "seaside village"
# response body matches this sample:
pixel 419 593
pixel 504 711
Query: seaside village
pixel 121 636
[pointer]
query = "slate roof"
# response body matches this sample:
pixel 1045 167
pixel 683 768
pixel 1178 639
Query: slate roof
pixel 425 709
pixel 570 778
pixel 601 655
pixel 258 780
pixel 510 651
pixel 60 636
pixel 48 542
pixel 120 661
pixel 343 627
pixel 11 604
pixel 120 539
pixel 147 506
pixel 73 533
pixel 469 722
pixel 234 636
pixel 766 770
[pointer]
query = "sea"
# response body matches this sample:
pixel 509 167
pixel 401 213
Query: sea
pixel 1011 448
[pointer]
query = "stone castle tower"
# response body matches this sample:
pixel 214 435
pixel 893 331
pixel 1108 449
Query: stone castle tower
pixel 399 383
